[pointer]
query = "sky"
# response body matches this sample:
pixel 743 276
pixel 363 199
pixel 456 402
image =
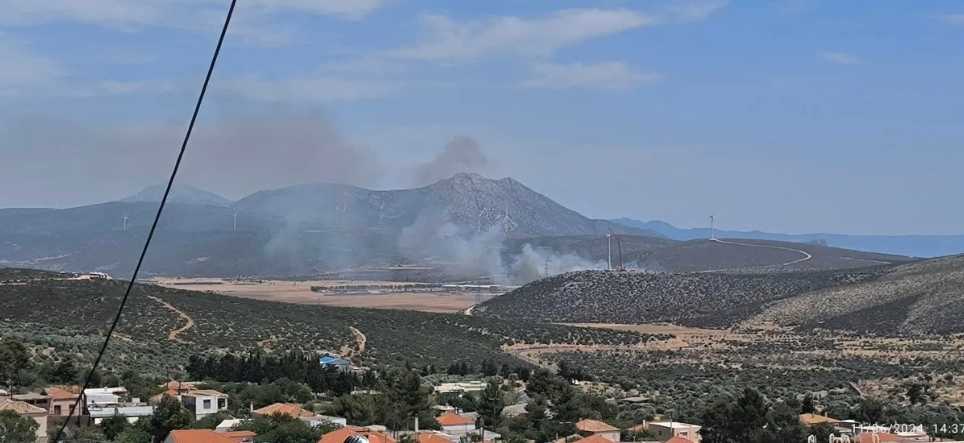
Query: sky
pixel 790 116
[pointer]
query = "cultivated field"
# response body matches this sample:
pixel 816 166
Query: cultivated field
pixel 376 294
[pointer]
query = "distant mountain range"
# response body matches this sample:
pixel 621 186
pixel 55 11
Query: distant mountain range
pixel 458 222
pixel 909 245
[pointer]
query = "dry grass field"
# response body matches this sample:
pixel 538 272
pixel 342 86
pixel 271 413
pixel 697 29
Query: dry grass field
pixel 299 292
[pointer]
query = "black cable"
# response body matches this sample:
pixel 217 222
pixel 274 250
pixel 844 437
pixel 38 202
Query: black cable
pixel 157 217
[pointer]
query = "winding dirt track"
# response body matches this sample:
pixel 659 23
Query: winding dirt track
pixel 806 255
pixel 189 322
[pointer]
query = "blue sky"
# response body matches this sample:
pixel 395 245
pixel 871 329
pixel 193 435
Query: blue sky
pixel 796 116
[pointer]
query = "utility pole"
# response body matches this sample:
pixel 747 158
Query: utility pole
pixel 712 228
pixel 235 221
pixel 609 243
pixel 125 223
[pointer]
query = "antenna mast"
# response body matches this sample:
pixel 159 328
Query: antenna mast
pixel 712 228
pixel 609 244
pixel 235 221
pixel 125 223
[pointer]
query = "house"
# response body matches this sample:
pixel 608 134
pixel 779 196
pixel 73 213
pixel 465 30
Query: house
pixel 596 438
pixel 228 424
pixel 63 401
pixel 204 402
pixel 334 361
pixel 291 409
pixel 433 437
pixel 342 434
pixel 209 436
pixel 24 409
pixel 33 399
pixel 455 424
pixel 590 428
pixel 666 430
pixel 103 403
pixel 461 387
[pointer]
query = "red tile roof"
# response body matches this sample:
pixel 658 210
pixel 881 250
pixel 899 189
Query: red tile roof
pixel 596 439
pixel 59 393
pixel 594 426
pixel 432 437
pixel 342 434
pixel 200 436
pixel 452 419
pixel 20 407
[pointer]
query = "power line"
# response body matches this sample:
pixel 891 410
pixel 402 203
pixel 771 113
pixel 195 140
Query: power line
pixel 157 217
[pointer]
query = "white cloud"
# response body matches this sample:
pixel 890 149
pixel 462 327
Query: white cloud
pixel 349 9
pixel 604 75
pixel 953 19
pixel 130 15
pixel 446 39
pixel 693 10
pixel 22 71
pixel 840 58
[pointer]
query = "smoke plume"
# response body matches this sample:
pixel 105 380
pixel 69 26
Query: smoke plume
pixel 461 154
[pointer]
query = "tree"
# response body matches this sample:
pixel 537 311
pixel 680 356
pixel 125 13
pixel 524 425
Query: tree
pixel 13 357
pixel 14 428
pixel 113 426
pixel 491 402
pixel 168 416
pixel 134 434
pixel 808 406
pixel 64 372
pixel 283 428
pixel 783 424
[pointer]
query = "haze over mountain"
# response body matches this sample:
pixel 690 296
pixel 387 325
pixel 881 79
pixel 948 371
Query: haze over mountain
pixel 910 245
pixel 459 222
pixel 185 194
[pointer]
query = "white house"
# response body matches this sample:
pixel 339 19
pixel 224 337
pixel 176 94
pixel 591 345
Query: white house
pixel 103 403
pixel 665 430
pixel 204 402
pixel 455 424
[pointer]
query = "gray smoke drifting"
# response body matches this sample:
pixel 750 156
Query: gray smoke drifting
pixel 461 154
pixel 532 263
pixel 434 239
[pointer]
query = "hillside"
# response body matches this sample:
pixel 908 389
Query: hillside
pixel 908 245
pixel 919 298
pixel 154 335
pixel 705 299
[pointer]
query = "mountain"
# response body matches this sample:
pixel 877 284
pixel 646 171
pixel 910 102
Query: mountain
pixel 909 245
pixel 184 194
pixel 458 223
pixel 468 203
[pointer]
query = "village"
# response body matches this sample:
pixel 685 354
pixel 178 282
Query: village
pixel 452 412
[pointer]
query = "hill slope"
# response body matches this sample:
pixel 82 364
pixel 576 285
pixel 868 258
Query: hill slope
pixel 918 298
pixel 77 312
pixel 707 299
